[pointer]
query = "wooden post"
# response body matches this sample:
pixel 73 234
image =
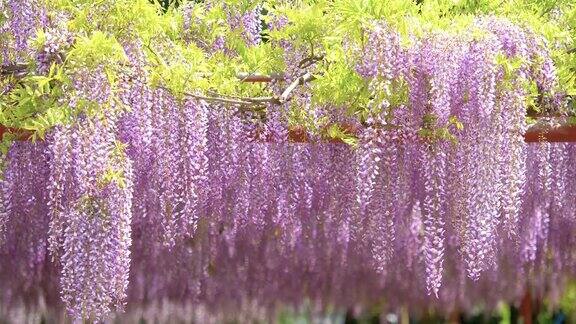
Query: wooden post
pixel 526 307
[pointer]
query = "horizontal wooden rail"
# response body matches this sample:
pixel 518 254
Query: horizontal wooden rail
pixel 555 134
pixel 537 133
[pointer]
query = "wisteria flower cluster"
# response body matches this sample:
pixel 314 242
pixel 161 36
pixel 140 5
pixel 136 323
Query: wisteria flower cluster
pixel 56 44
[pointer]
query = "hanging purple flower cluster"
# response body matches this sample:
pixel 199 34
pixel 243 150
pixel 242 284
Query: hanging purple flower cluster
pixel 25 16
pixel 91 209
pixel 469 189
pixel 248 22
pixel 54 49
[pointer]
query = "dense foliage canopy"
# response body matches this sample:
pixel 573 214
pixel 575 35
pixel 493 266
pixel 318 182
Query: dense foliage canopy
pixel 384 162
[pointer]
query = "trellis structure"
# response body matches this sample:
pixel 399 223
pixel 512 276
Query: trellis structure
pixel 556 130
pixel 162 176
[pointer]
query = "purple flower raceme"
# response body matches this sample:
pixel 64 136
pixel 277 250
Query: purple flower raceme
pixel 252 25
pixel 433 215
pixel 97 223
pixel 53 50
pixel 23 21
pixel 195 130
pixel 60 185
